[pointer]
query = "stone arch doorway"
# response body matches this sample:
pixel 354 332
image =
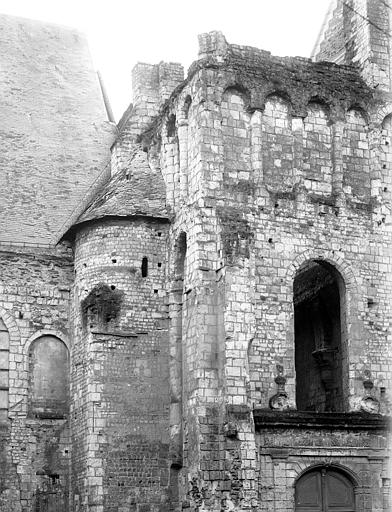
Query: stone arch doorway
pixel 324 490
pixel 320 337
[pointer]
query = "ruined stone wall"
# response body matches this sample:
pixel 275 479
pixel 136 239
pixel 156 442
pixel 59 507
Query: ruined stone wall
pixel 35 444
pixel 151 87
pixel 120 374
pixel 288 166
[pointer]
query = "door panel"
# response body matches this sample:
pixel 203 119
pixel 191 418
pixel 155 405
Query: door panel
pixel 324 490
pixel 339 493
pixel 308 495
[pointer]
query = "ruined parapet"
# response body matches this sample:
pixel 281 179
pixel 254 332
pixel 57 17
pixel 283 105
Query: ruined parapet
pixel 212 43
pixel 271 167
pixel 152 85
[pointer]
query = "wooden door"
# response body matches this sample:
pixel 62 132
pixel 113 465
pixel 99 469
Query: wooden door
pixel 324 490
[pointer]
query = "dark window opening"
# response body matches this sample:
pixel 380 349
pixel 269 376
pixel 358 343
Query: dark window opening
pixel 144 267
pixel 319 307
pixel 187 104
pixel 180 262
pixel 171 126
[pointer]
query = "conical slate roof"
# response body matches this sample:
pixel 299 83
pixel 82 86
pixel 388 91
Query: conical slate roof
pixel 136 189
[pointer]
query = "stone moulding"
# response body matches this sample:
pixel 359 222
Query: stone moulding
pixel 265 418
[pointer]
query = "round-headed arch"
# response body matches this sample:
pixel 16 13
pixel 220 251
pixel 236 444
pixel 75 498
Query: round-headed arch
pixel 335 466
pixel 359 110
pixel 333 258
pixel 11 325
pixel 45 332
pixel 327 487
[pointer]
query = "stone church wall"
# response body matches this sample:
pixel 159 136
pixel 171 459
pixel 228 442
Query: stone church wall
pixel 287 174
pixel 35 288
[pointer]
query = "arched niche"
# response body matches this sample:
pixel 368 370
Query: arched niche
pixel 277 143
pixel 320 332
pixel 324 489
pixel 317 153
pixel 356 155
pixel 48 378
pixel 236 139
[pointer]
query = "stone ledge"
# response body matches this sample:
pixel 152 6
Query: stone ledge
pixel 265 418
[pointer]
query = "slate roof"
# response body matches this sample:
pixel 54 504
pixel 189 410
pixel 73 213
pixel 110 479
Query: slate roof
pixel 136 190
pixel 54 131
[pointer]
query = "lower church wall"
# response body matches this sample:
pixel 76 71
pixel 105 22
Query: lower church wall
pixel 34 444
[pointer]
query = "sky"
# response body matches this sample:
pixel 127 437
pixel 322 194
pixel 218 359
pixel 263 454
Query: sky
pixel 124 32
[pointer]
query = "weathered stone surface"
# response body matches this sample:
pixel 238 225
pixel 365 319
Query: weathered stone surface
pixel 227 299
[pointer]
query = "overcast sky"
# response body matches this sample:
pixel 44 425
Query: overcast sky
pixel 123 32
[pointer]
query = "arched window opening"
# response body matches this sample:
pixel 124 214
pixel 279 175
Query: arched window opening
pixel 324 490
pixel 4 367
pixel 48 378
pixel 319 320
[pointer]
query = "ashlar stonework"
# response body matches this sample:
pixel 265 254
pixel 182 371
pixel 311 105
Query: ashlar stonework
pixel 220 291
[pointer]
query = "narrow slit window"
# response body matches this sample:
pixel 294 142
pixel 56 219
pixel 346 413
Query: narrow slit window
pixel 144 267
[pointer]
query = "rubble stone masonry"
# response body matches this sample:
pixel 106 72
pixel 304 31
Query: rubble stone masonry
pixel 213 332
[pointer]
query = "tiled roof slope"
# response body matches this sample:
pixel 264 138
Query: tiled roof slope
pixel 54 131
pixel 136 189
